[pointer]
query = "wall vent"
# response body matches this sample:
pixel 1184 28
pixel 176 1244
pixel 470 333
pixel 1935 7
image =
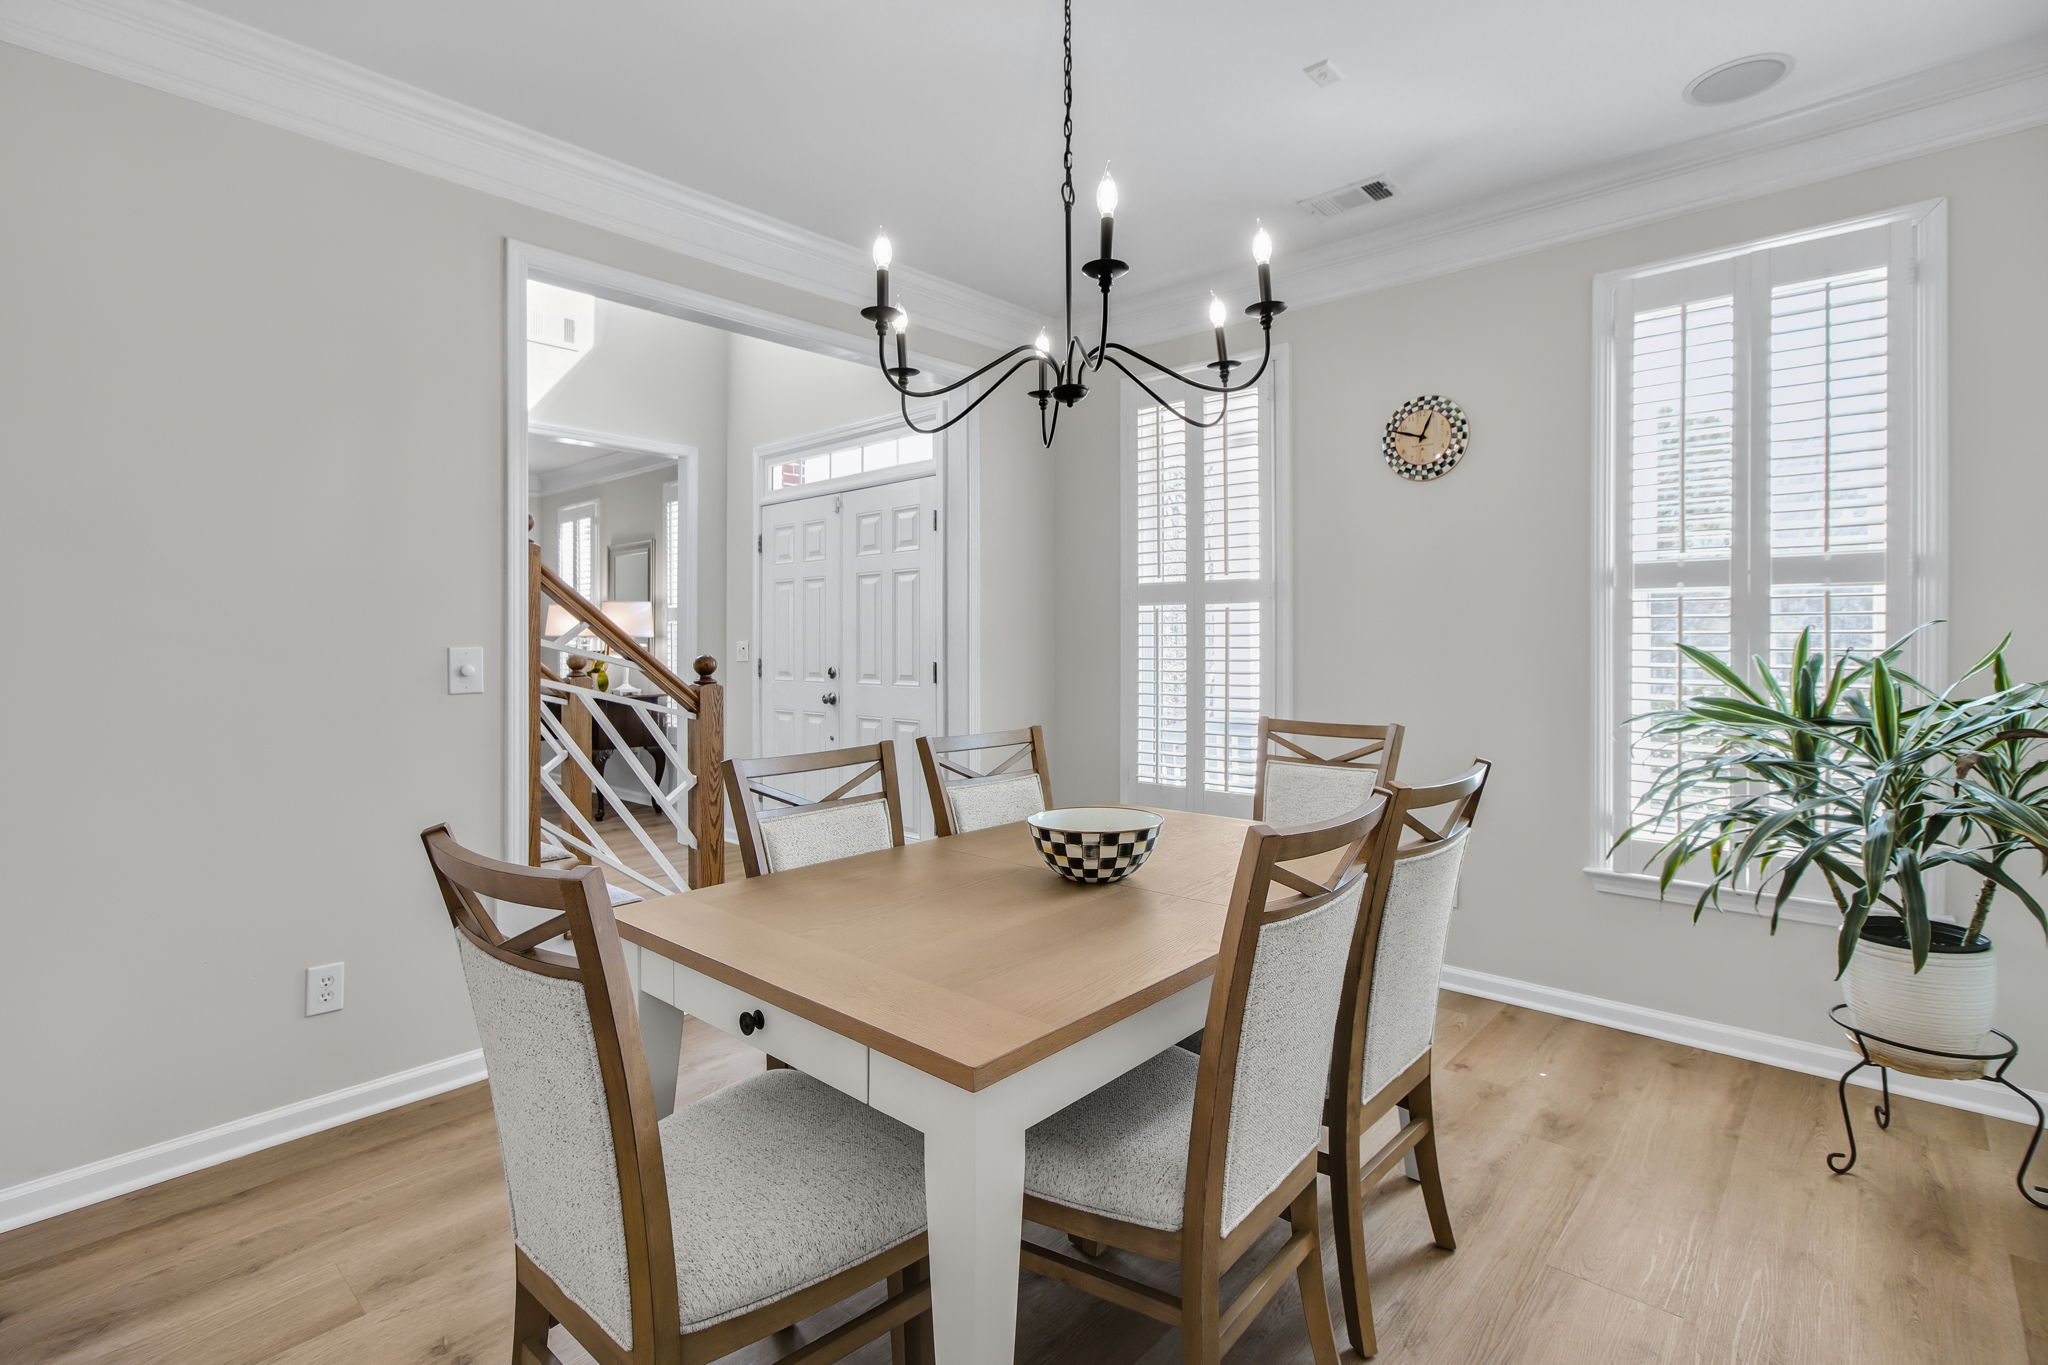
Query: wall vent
pixel 1345 198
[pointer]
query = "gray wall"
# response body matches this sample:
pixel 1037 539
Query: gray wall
pixel 1461 607
pixel 264 390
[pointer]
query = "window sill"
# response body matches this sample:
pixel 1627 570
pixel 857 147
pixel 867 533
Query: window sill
pixel 1682 894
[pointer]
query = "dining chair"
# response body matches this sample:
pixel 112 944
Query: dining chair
pixel 804 831
pixel 1386 1032
pixel 1191 1158
pixel 682 1240
pixel 1299 780
pixel 966 798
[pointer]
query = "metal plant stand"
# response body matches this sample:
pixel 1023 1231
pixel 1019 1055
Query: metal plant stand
pixel 1994 1065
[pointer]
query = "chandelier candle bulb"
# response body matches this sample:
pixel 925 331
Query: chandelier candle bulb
pixel 883 254
pixel 1105 201
pixel 902 325
pixel 1216 320
pixel 1043 345
pixel 1262 256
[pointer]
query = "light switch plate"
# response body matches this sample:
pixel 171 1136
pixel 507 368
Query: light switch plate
pixel 465 670
pixel 742 650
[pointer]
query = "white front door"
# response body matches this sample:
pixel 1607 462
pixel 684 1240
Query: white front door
pixel 850 611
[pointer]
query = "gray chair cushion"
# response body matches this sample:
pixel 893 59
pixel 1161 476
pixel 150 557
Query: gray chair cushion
pixel 801 837
pixel 1302 793
pixel 984 802
pixel 778 1182
pixel 1121 1151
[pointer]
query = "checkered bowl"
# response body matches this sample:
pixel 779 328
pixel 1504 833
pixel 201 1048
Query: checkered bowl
pixel 1095 844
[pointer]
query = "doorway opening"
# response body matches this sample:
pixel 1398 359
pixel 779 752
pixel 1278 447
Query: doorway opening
pixel 638 414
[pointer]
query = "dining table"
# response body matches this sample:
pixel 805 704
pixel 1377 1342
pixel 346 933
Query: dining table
pixel 958 985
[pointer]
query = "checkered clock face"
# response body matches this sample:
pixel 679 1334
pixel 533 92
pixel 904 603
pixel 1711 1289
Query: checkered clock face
pixel 1096 858
pixel 1416 414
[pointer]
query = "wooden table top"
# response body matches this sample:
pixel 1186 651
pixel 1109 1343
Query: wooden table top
pixel 965 957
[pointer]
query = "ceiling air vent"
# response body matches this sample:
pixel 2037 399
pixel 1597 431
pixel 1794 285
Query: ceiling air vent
pixel 1345 198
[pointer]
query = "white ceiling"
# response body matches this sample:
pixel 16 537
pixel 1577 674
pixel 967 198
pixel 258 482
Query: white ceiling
pixel 940 118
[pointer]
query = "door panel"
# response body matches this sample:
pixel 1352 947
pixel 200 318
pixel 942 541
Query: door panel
pixel 850 587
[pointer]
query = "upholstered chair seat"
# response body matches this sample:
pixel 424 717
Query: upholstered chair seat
pixel 779 1182
pixel 1121 1151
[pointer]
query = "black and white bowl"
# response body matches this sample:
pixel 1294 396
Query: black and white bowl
pixel 1095 844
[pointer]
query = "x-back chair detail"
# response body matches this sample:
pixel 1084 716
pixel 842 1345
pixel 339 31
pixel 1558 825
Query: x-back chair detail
pixel 602 1193
pixel 1191 1159
pixel 800 831
pixel 1386 1031
pixel 966 798
pixel 1299 781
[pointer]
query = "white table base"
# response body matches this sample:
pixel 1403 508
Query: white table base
pixel 973 1148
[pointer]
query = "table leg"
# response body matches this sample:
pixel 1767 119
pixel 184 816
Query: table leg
pixel 661 1026
pixel 974 1201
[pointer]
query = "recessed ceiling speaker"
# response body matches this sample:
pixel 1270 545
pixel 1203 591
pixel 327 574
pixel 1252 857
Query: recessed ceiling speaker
pixel 1739 79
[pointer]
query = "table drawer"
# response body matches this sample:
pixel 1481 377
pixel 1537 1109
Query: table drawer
pixel 817 1051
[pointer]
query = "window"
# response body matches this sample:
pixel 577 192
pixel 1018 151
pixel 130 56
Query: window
pixel 1769 461
pixel 860 457
pixel 669 647
pixel 1201 613
pixel 576 547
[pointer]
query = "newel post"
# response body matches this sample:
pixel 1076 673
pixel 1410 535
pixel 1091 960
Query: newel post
pixel 707 762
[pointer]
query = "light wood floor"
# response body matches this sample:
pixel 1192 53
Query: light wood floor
pixel 1617 1199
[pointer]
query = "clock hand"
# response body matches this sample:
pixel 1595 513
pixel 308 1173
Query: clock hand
pixel 1425 424
pixel 1417 435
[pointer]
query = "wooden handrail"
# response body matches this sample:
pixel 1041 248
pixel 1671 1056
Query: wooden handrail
pixel 704 700
pixel 601 626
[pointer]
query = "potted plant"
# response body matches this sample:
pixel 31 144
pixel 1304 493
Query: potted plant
pixel 1858 773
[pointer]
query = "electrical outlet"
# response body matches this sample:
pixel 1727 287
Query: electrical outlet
pixel 741 650
pixel 323 988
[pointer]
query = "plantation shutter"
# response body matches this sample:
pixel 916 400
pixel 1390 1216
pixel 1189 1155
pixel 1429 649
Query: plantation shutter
pixel 1760 403
pixel 671 577
pixel 1200 608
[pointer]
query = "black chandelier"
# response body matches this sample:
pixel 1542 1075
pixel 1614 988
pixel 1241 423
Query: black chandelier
pixel 1060 384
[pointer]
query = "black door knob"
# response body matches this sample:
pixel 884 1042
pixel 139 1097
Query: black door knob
pixel 830 699
pixel 751 1020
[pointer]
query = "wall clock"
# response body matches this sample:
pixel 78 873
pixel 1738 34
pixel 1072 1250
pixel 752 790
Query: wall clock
pixel 1426 437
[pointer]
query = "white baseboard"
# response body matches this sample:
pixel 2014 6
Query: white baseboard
pixel 51 1195
pixel 1769 1048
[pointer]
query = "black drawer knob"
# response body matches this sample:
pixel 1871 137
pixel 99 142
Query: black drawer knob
pixel 751 1020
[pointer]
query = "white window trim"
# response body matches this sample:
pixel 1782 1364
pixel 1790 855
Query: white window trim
pixel 1917 579
pixel 1277 531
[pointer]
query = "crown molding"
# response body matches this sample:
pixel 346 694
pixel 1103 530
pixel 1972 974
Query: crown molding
pixel 1928 111
pixel 213 60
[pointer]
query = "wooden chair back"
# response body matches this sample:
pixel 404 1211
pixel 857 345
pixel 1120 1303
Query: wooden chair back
pixel 1421 823
pixel 967 797
pixel 836 825
pixel 1301 780
pixel 521 1017
pixel 1293 917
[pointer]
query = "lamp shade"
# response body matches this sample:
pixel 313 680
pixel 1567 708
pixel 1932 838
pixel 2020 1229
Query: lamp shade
pixel 560 621
pixel 634 618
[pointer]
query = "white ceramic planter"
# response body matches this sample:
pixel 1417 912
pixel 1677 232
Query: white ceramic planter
pixel 1947 1005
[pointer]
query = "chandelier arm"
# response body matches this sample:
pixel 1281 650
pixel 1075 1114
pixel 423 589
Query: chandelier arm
pixel 1047 431
pixel 1225 387
pixel 882 355
pixel 980 398
pixel 1163 401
